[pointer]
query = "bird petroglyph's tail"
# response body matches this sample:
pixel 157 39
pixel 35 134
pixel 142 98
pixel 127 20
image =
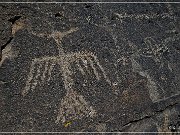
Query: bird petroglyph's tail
pixel 74 106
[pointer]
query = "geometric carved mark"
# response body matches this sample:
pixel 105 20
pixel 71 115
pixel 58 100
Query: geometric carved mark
pixel 154 50
pixel 140 17
pixel 151 85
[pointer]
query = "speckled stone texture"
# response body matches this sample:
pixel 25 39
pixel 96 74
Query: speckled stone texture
pixel 90 67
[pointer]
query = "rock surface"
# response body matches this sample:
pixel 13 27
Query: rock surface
pixel 90 67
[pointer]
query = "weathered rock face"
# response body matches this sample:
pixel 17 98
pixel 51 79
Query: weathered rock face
pixel 90 67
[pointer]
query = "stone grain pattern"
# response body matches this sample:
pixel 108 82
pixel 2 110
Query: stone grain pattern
pixel 90 67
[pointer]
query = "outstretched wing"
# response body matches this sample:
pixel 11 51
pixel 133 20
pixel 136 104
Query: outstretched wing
pixel 40 70
pixel 86 61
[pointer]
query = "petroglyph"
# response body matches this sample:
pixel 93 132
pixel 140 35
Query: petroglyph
pixel 171 39
pixel 164 125
pixel 156 50
pixel 73 106
pixel 151 85
pixel 8 53
pixel 143 16
pixel 18 25
pixel 153 49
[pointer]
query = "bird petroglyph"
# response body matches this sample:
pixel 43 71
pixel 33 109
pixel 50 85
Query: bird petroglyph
pixel 73 106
